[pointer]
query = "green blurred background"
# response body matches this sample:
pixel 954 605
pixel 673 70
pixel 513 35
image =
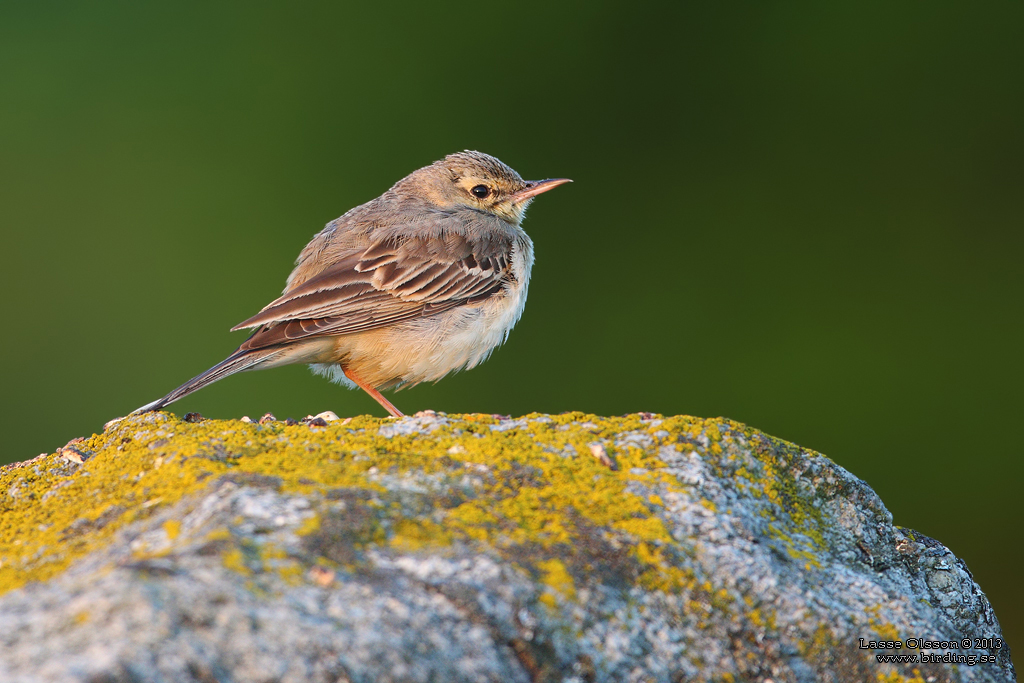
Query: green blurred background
pixel 804 217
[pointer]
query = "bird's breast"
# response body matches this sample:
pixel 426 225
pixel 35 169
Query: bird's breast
pixel 427 349
pixel 465 336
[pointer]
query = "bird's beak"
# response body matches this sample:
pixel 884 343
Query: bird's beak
pixel 536 187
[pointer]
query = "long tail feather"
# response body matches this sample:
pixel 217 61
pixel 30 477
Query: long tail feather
pixel 237 362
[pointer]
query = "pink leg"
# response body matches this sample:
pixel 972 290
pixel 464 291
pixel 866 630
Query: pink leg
pixel 377 396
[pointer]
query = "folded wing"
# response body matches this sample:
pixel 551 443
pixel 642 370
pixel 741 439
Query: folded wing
pixel 393 280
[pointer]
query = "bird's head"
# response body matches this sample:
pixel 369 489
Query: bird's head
pixel 476 181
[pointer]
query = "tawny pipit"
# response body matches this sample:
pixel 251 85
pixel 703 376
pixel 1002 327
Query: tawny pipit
pixel 426 279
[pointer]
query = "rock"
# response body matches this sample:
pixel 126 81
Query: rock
pixel 469 548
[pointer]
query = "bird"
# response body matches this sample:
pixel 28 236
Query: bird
pixel 427 279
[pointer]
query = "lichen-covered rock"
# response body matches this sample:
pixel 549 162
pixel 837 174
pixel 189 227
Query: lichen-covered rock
pixel 469 548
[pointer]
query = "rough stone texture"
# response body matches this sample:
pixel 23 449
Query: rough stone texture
pixel 466 548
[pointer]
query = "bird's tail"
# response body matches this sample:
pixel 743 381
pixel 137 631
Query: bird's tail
pixel 237 362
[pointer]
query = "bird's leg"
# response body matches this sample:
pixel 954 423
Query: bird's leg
pixel 377 396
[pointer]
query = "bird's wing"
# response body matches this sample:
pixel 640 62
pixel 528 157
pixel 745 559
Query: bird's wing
pixel 394 279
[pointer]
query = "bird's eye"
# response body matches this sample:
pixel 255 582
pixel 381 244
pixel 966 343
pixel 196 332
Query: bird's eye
pixel 481 191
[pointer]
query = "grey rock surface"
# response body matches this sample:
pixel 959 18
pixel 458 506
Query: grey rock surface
pixel 474 548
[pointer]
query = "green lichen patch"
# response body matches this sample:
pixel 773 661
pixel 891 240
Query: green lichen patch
pixel 789 497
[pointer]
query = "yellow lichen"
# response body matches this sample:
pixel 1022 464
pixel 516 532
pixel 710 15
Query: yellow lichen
pixel 234 560
pixel 218 535
pixel 172 528
pixel 887 632
pixel 883 628
pixel 530 492
pixel 660 574
pixel 643 528
pixel 412 535
pixel 557 578
pixel 311 524
pixel 896 677
pixel 549 601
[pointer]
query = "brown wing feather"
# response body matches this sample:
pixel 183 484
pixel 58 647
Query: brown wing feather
pixel 390 281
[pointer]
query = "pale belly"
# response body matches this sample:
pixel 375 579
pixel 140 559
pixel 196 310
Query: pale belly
pixel 427 349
